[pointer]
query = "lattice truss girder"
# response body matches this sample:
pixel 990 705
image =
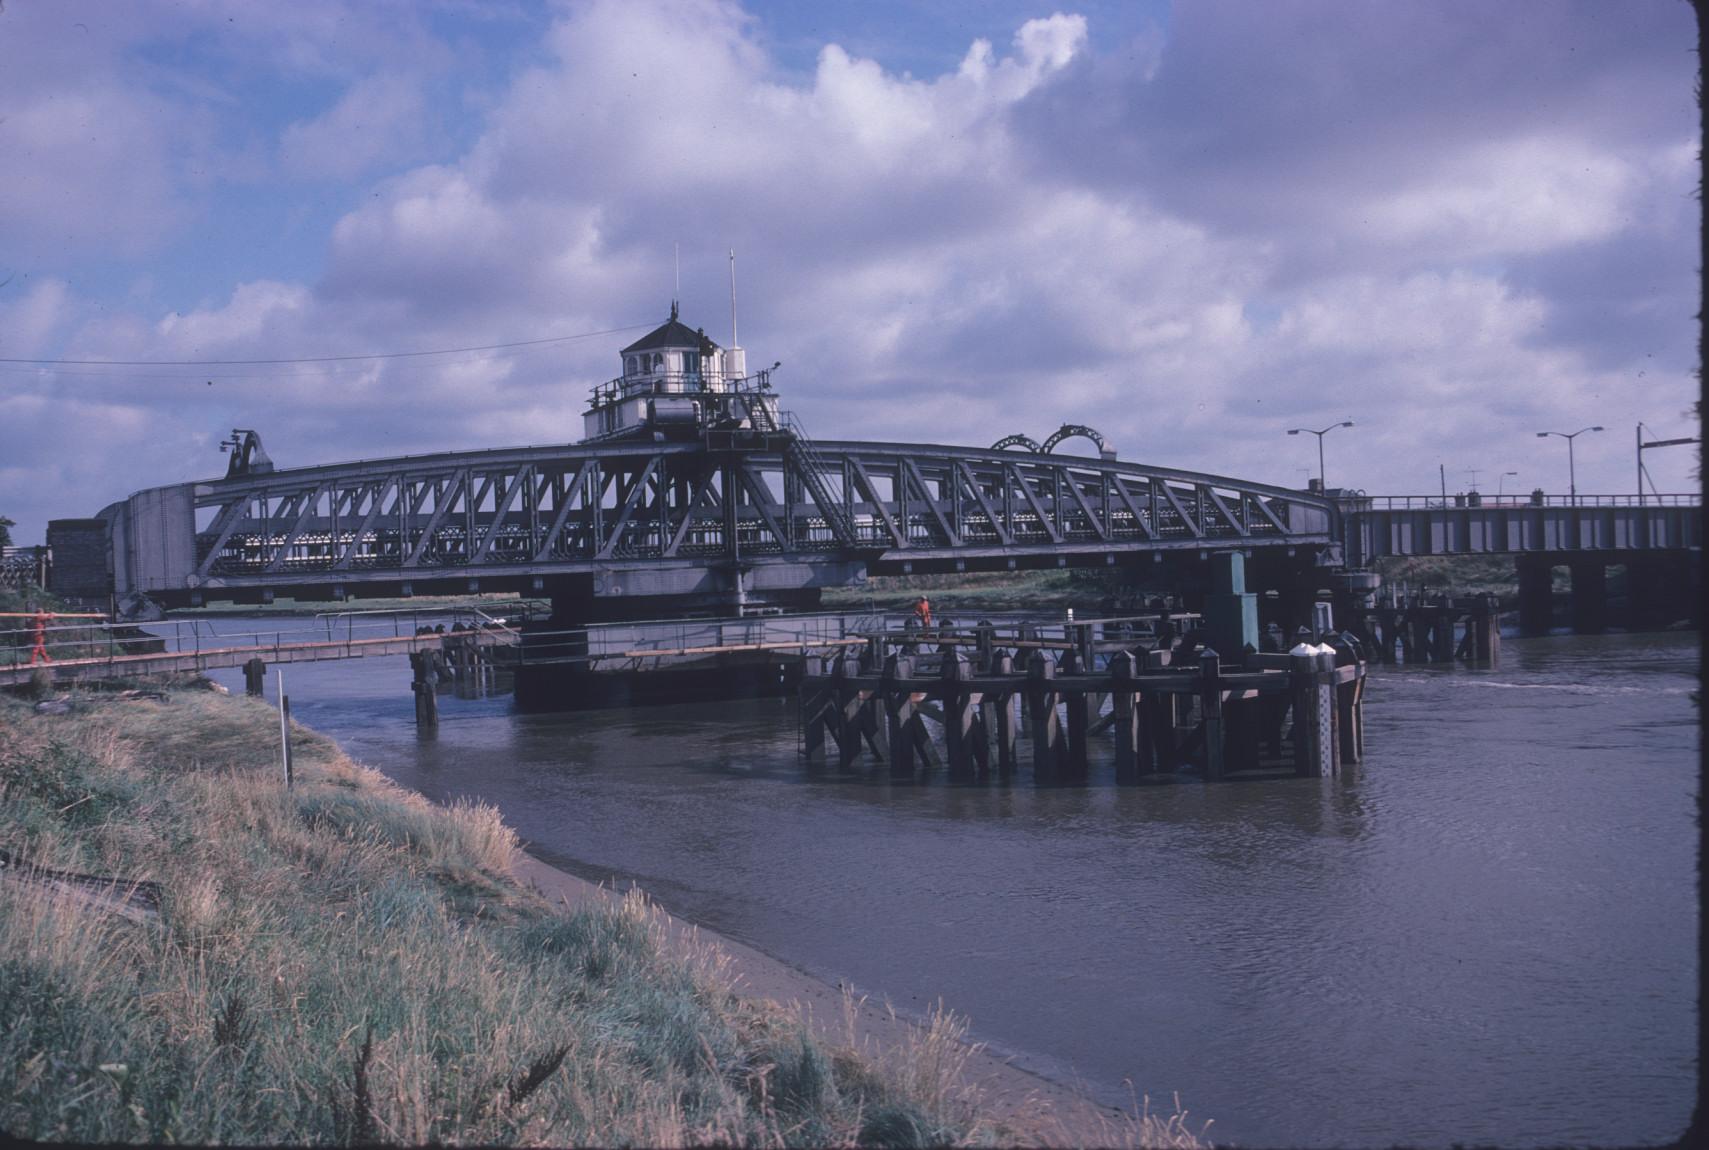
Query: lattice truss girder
pixel 673 503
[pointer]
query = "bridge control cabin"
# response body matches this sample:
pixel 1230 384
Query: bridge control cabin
pixel 676 384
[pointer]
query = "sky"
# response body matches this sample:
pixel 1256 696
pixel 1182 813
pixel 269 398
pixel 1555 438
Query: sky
pixel 1191 226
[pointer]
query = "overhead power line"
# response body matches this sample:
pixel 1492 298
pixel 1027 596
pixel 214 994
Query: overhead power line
pixel 308 359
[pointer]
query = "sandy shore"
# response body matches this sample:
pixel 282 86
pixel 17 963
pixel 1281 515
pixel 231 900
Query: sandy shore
pixel 1038 1111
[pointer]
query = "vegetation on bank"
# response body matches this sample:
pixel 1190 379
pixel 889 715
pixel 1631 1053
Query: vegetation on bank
pixel 964 593
pixel 1094 590
pixel 1454 575
pixel 189 952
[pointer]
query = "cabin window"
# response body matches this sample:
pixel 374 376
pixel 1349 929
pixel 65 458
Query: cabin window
pixel 629 367
pixel 691 363
pixel 658 361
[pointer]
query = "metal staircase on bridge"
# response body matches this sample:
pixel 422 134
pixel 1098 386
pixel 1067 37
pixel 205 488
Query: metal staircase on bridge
pixel 814 472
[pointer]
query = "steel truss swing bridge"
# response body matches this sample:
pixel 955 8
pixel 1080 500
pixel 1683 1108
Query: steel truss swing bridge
pixel 751 510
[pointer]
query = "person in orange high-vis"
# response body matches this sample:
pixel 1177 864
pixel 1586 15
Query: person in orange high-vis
pixel 38 653
pixel 923 612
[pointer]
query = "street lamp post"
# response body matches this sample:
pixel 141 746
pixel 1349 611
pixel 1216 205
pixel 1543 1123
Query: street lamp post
pixel 1321 480
pixel 1572 478
pixel 1501 481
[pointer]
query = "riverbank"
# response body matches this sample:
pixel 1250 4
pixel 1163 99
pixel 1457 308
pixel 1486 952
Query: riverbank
pixel 194 953
pixel 1019 1107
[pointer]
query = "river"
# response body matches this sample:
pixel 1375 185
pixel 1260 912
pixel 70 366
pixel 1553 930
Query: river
pixel 1487 932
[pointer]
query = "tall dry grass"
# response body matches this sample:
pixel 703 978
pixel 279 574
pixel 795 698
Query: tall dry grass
pixel 345 963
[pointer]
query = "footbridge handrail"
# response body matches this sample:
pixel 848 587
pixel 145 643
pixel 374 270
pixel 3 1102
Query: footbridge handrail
pixel 1472 499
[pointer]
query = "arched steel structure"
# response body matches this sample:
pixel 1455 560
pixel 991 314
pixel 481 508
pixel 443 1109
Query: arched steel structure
pixel 1009 441
pixel 679 518
pixel 1080 430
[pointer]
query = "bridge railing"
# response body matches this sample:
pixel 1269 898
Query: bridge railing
pixel 110 640
pixel 1472 499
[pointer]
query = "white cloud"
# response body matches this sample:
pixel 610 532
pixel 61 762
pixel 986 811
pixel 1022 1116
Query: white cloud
pixel 1509 196
pixel 378 120
pixel 251 315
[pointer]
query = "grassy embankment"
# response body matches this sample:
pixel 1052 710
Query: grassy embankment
pixel 345 962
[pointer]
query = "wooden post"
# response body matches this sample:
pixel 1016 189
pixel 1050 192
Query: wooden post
pixel 958 716
pixel 850 703
pixel 1356 716
pixel 1328 716
pixel 1079 720
pixel 1161 714
pixel 1386 627
pixel 899 715
pixel 284 728
pixel 1346 698
pixel 1041 704
pixel 1127 718
pixel 1312 745
pixel 813 724
pixel 874 726
pixel 426 690
pixel 1443 631
pixel 1003 663
pixel 1419 649
pixel 1488 621
pixel 1210 711
pixel 255 677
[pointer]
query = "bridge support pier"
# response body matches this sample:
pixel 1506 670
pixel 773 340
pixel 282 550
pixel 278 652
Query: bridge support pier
pixel 1646 593
pixel 1662 590
pixel 1231 613
pixel 1590 596
pixel 1536 594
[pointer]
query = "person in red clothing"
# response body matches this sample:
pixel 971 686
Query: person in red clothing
pixel 923 612
pixel 39 651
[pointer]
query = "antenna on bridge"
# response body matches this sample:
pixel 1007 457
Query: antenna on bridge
pixel 734 342
pixel 676 259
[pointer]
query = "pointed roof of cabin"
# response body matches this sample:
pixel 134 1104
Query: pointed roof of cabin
pixel 672 333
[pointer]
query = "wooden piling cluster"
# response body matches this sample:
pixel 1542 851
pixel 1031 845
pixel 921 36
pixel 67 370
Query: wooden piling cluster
pixel 424 669
pixel 1165 711
pixel 1448 630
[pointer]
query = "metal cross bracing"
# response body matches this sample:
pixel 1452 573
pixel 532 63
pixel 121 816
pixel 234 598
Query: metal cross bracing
pixel 554 509
pixel 974 506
